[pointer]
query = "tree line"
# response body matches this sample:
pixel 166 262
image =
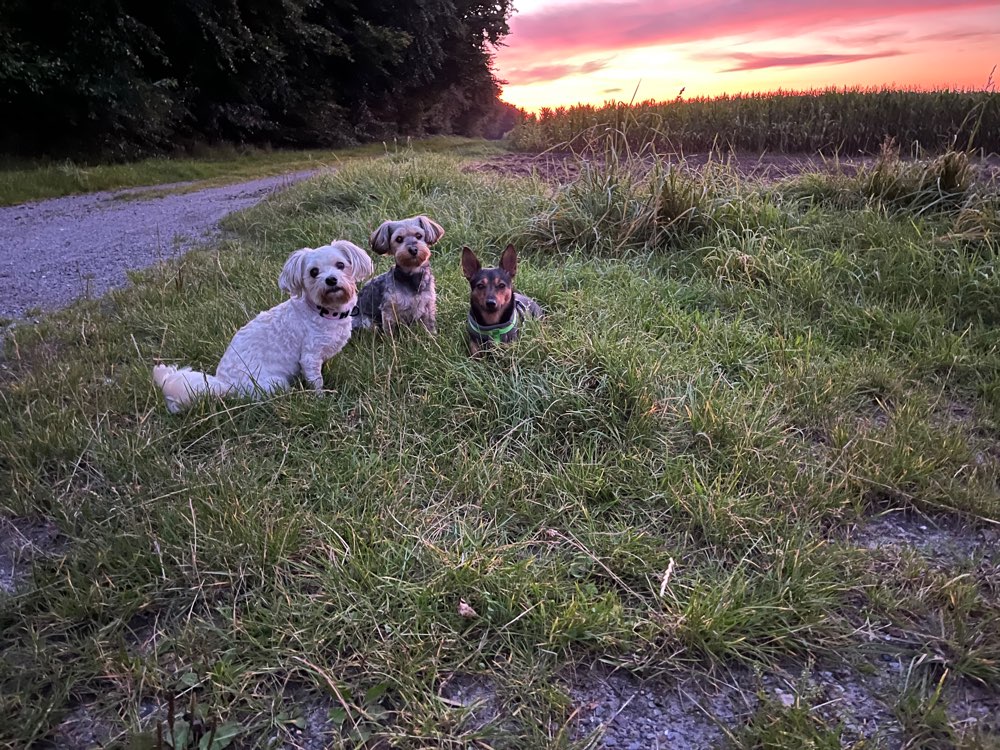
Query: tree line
pixel 122 78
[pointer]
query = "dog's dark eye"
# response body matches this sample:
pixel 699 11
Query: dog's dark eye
pixel 314 272
pixel 501 285
pixel 340 265
pixel 419 236
pixel 399 240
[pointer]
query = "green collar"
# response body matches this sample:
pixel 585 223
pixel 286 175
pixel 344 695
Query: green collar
pixel 494 332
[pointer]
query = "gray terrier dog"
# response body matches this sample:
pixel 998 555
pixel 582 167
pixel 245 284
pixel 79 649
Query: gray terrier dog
pixel 404 295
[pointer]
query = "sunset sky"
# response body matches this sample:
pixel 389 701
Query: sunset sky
pixel 561 52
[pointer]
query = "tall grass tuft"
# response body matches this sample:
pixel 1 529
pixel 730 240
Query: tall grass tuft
pixel 979 222
pixel 942 183
pixel 947 184
pixel 625 201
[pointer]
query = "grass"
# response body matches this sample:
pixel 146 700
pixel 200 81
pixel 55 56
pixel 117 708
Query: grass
pixel 22 181
pixel 724 402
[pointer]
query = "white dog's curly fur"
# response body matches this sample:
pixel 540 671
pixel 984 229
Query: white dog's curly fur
pixel 295 337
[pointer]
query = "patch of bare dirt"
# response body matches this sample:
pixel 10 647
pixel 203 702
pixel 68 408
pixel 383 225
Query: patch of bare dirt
pixel 974 709
pixel 945 544
pixel 860 704
pixel 551 167
pixel 312 728
pixel 941 540
pixel 22 542
pixel 619 710
pixel 82 729
pixel 476 695
pixel 614 708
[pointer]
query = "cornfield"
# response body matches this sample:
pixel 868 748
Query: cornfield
pixel 848 121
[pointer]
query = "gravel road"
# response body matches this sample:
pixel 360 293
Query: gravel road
pixel 55 251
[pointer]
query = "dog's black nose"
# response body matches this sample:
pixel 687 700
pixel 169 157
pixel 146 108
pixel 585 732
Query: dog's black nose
pixel 413 251
pixel 331 281
pixel 491 303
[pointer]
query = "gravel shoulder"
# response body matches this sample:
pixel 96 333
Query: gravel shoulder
pixel 56 251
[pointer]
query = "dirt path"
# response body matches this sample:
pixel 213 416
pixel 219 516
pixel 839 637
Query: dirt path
pixel 55 251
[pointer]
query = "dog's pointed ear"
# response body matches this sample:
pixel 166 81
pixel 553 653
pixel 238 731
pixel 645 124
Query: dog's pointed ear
pixel 360 261
pixel 508 260
pixel 292 278
pixel 470 264
pixel 381 236
pixel 432 230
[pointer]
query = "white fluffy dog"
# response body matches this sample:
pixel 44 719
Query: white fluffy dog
pixel 295 337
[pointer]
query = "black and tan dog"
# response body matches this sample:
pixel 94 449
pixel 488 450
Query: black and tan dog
pixel 405 294
pixel 495 309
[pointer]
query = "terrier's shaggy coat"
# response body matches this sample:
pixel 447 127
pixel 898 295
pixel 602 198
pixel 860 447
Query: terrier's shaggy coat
pixel 404 295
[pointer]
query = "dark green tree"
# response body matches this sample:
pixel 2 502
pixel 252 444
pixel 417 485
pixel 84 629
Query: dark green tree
pixel 124 77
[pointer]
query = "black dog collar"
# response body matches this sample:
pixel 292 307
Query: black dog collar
pixel 412 281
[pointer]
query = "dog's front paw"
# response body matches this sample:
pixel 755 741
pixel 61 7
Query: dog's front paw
pixel 314 378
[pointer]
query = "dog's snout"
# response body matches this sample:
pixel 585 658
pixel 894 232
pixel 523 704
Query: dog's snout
pixel 491 303
pixel 331 281
pixel 413 250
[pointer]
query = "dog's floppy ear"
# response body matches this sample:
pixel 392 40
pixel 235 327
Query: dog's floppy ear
pixel 470 264
pixel 381 236
pixel 432 230
pixel 360 262
pixel 292 278
pixel 508 261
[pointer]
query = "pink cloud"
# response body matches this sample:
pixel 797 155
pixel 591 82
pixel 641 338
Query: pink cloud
pixel 757 62
pixel 865 39
pixel 552 72
pixel 602 25
pixel 955 35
